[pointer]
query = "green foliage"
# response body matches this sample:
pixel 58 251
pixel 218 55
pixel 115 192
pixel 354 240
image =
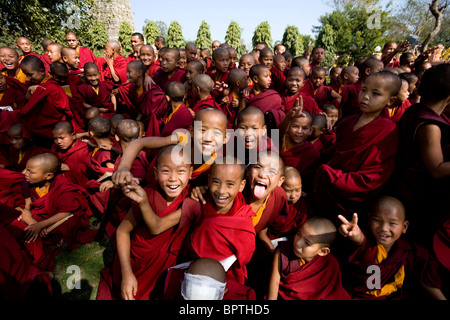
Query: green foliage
pixel 150 31
pixel 293 41
pixel 358 30
pixel 262 34
pixel 98 39
pixel 162 26
pixel 326 39
pixel 203 36
pixel 125 33
pixel 175 37
pixel 233 38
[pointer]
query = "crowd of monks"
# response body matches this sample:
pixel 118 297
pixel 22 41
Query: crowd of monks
pixel 265 176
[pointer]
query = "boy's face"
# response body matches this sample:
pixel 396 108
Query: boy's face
pixel 34 173
pixel 10 60
pixel 375 95
pixel 209 133
pixel 318 55
pixel 245 64
pixel 172 178
pixel 280 63
pixel 72 41
pixel 92 76
pixel 24 45
pixel 191 73
pixel 334 76
pixel 299 130
pixel 146 56
pixel 204 55
pixel 221 62
pixel 387 225
pixel 233 59
pixel 263 79
pixel 317 78
pixel 133 75
pixel 307 68
pixel 403 94
pixel 250 129
pixel 109 52
pixel 293 188
pixel 72 60
pixel 135 40
pixel 315 132
pixel 63 139
pixel 294 82
pixel 168 62
pixel 333 114
pixel 183 60
pixel 225 182
pixel 16 139
pixel 304 245
pixel 353 76
pixel 54 53
pixel 266 60
pixel 35 76
pixel 412 86
pixel 265 175
pixel 191 53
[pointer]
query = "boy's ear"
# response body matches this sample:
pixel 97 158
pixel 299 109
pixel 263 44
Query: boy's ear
pixel 227 137
pixel 391 101
pixel 49 176
pixel 91 134
pixel 116 137
pixel 323 251
pixel 242 186
pixel 367 71
pixel 405 226
pixel 255 79
pixel 167 98
pixel 281 180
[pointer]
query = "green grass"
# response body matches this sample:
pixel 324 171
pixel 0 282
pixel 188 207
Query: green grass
pixel 91 258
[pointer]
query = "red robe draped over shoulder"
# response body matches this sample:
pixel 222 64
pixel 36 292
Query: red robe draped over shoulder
pixel 86 55
pixel 76 158
pixel 120 67
pixel 309 104
pixel 349 104
pixel 162 79
pixel 268 101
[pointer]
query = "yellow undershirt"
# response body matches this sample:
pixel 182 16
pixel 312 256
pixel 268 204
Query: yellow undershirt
pixel 43 192
pixel 260 211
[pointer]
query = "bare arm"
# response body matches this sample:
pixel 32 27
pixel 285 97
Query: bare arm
pixel 429 140
pixel 275 275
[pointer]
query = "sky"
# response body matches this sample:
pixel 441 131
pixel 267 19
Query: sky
pixel 304 14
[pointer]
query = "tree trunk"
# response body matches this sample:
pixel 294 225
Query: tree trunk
pixel 437 13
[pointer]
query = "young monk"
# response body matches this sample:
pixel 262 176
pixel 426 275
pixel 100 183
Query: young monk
pixel 323 94
pixel 295 80
pixel 220 228
pixel 137 39
pixel 142 256
pixel 20 150
pixel 147 57
pixel 288 57
pixel 54 52
pixel 317 57
pixel 400 262
pixel 366 147
pixel 219 68
pixel 335 78
pixel 412 80
pixel 349 103
pixel 268 100
pixel 349 75
pixel 232 53
pixel 100 163
pixel 71 58
pixel 332 114
pixel 169 69
pixel 71 152
pixel 396 111
pixel 193 69
pixel 305 269
pixel 85 54
pixel 278 73
pixel 50 198
pixel 97 93
pixel 246 62
pixel 423 163
pixel 202 87
pixel 191 51
pixel 10 60
pixel 321 138
pixel 205 140
pixel 302 63
pixel 12 92
pixel 47 104
pixel 237 82
pixel 113 66
pixel 296 150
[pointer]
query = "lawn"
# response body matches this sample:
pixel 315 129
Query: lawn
pixel 91 258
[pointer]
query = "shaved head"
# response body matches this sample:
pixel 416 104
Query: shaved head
pixel 204 82
pixel 325 230
pixel 388 204
pixel 208 267
pixel 64 126
pixel 176 91
pixel 48 162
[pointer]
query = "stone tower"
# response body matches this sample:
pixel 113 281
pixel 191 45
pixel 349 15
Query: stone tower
pixel 113 13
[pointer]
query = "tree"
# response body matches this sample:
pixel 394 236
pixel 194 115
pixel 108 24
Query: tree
pixel 203 36
pixel 437 13
pixel 151 31
pixel 98 40
pixel 358 28
pixel 175 37
pixel 293 41
pixel 125 33
pixel 162 26
pixel 326 39
pixel 262 34
pixel 233 38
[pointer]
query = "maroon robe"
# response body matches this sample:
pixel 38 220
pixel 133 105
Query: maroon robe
pixel 28 152
pixel 307 88
pixel 162 80
pixel 14 94
pixel 415 259
pixel 278 79
pixel 86 55
pixel 349 104
pixel 319 279
pixel 152 69
pixel 181 119
pixel 48 105
pixel 150 255
pixel 120 67
pixel 100 100
pixel 325 145
pixel 322 95
pixel 128 100
pixel 287 223
pixel 268 101
pixel 209 102
pixel 11 188
pixel 361 165
pixel 77 108
pixel 153 102
pixel 441 244
pixel 397 113
pixel 309 104
pixel 76 158
pixel 47 62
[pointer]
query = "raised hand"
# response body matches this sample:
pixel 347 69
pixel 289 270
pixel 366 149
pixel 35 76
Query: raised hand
pixel 351 229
